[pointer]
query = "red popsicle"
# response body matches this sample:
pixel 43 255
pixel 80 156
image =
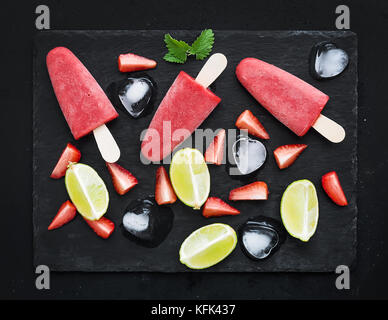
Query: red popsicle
pixel 185 106
pixel 291 100
pixel 83 102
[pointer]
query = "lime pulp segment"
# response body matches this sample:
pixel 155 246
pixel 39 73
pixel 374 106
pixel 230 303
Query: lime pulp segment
pixel 207 246
pixel 300 210
pixel 190 177
pixel 87 191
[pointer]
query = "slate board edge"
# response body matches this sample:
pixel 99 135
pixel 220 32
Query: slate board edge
pixel 280 33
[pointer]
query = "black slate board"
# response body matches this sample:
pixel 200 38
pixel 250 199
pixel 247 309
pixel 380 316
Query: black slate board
pixel 76 248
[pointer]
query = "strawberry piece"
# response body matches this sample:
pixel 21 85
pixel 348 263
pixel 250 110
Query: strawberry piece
pixel 122 179
pixel 248 121
pixel 69 154
pixel 254 191
pixel 164 193
pixel 287 154
pixel 66 213
pixel 215 152
pixel 103 227
pixel 131 62
pixel 332 186
pixel 215 207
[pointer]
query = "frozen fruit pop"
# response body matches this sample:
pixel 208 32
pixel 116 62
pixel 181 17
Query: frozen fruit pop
pixel 291 100
pixel 83 102
pixel 185 106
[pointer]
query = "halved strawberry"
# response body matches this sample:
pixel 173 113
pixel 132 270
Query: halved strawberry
pixel 164 193
pixel 254 191
pixel 215 152
pixel 287 154
pixel 66 213
pixel 122 179
pixel 132 62
pixel 70 154
pixel 332 187
pixel 215 207
pixel 103 227
pixel 248 121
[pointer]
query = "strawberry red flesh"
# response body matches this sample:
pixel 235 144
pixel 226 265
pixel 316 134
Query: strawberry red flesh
pixel 332 186
pixel 164 193
pixel 248 121
pixel 131 62
pixel 103 227
pixel 70 154
pixel 215 152
pixel 122 179
pixel 215 207
pixel 65 214
pixel 254 191
pixel 287 154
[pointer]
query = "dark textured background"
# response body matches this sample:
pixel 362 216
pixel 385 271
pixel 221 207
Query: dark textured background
pixel 76 248
pixel 368 20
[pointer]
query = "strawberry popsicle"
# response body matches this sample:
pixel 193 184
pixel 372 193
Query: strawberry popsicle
pixel 292 101
pixel 83 102
pixel 185 106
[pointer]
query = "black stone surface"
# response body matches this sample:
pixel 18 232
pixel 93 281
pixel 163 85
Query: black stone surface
pixel 76 248
pixel 17 275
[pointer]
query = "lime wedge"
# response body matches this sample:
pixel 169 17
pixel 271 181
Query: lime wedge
pixel 190 177
pixel 207 246
pixel 299 209
pixel 87 191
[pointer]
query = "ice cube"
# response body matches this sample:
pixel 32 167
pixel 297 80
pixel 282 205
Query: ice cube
pixel 261 236
pixel 135 95
pixel 146 223
pixel 249 155
pixel 327 60
pixel 260 243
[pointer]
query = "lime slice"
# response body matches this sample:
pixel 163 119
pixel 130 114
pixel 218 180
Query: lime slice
pixel 87 191
pixel 190 177
pixel 207 246
pixel 299 209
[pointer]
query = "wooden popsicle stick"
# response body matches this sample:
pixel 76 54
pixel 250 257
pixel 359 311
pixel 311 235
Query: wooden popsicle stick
pixel 212 69
pixel 330 129
pixel 107 145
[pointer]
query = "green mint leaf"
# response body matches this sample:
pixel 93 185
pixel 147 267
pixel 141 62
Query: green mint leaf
pixel 171 58
pixel 177 49
pixel 203 45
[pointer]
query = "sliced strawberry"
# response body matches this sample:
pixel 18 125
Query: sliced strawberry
pixel 254 191
pixel 131 62
pixel 103 227
pixel 215 152
pixel 66 213
pixel 122 179
pixel 287 154
pixel 164 193
pixel 332 187
pixel 70 154
pixel 215 207
pixel 248 121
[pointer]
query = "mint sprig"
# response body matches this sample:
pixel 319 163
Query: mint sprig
pixel 178 50
pixel 203 45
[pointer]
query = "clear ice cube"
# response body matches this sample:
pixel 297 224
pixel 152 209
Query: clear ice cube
pixel 327 60
pixel 249 155
pixel 134 95
pixel 146 223
pixel 261 236
pixel 260 243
